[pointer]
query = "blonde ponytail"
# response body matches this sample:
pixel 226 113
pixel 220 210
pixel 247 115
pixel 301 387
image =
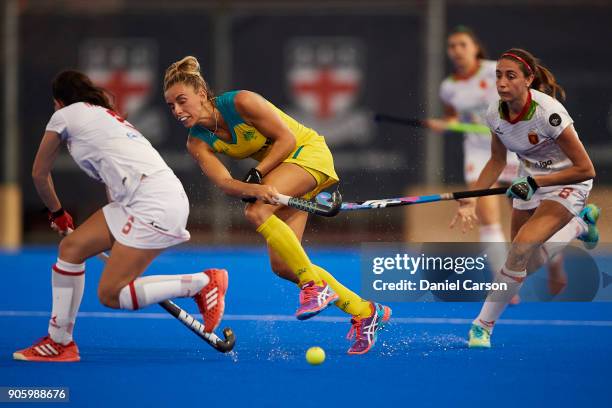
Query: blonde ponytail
pixel 187 71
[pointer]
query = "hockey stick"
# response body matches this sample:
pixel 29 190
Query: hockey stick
pixel 459 127
pixel 323 199
pixel 330 208
pixel 223 345
pixel 381 117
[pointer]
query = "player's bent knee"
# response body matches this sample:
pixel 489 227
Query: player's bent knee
pixel 70 250
pixel 108 296
pixel 257 213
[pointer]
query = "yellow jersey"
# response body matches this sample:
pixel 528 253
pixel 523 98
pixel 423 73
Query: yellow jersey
pixel 311 151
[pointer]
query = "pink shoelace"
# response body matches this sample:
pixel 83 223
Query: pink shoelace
pixel 308 293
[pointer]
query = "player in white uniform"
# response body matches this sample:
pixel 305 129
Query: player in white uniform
pixel 556 175
pixel 147 213
pixel 466 99
pixel 466 95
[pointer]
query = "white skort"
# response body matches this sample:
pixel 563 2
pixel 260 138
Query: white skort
pixel 573 197
pixel 155 217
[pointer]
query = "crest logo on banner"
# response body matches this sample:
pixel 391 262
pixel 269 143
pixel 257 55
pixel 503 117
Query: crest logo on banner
pixel 127 69
pixel 325 77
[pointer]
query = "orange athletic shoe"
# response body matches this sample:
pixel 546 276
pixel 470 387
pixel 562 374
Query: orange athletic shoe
pixel 211 299
pixel 46 350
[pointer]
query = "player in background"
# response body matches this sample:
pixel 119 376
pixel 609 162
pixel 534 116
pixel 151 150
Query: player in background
pixel 466 95
pixel 293 159
pixel 147 213
pixel 549 197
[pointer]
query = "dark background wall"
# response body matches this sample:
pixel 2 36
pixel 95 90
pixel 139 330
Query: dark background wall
pixel 388 48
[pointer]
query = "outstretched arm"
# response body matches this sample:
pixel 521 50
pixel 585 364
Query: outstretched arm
pixel 466 213
pixel 440 125
pixel 495 165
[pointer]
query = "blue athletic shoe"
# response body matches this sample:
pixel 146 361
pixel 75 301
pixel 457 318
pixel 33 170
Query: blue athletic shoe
pixel 590 215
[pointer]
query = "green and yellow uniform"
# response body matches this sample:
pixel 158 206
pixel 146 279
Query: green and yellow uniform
pixel 311 152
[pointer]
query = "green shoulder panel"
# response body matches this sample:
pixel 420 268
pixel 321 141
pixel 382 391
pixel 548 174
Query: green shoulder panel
pixel 203 134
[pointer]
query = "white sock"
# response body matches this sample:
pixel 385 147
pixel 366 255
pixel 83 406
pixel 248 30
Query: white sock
pixel 497 251
pixel 67 281
pixel 492 233
pixel 496 302
pixel 153 289
pixel 557 243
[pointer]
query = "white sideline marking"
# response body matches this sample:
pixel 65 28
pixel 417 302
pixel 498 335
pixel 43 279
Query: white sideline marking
pixel 321 319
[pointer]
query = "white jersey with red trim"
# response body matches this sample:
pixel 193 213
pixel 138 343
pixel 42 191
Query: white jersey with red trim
pixel 471 97
pixel 533 134
pixel 107 147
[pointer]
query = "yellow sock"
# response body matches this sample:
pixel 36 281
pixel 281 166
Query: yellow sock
pixel 348 300
pixel 282 240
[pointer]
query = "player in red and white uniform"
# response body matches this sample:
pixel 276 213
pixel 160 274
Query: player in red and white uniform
pixel 549 197
pixel 147 213
pixel 466 95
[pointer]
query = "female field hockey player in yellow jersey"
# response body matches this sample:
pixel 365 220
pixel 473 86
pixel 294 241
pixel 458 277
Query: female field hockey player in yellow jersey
pixel 293 160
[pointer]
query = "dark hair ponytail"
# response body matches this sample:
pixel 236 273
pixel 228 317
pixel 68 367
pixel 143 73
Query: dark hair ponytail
pixel 544 80
pixel 461 29
pixel 73 86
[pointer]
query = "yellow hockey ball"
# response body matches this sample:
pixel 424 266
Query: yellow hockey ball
pixel 315 355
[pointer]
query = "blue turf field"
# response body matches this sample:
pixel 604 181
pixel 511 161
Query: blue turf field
pixel 147 359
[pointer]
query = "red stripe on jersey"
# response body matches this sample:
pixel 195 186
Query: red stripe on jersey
pixel 520 115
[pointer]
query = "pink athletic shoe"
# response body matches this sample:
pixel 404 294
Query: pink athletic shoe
pixel 313 299
pixel 365 329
